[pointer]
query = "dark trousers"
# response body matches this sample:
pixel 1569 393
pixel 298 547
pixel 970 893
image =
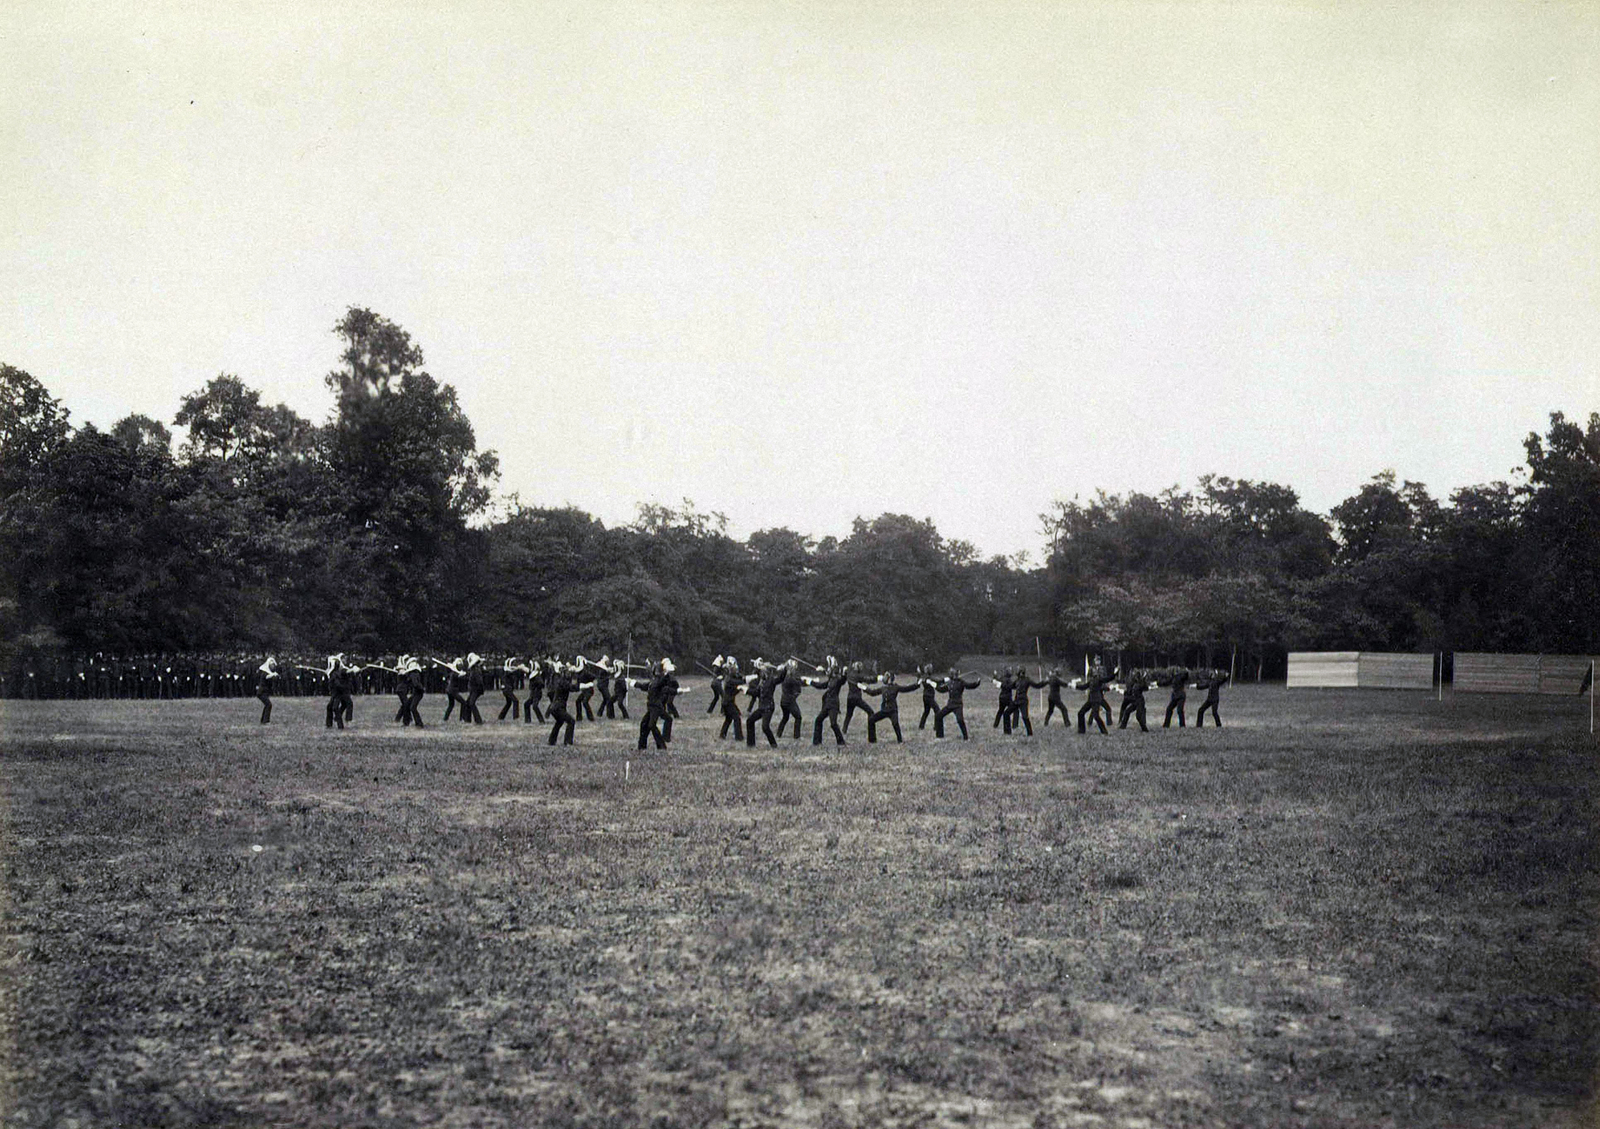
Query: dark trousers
pixel 454 700
pixel 667 717
pixel 336 707
pixel 1200 718
pixel 850 708
pixel 716 700
pixel 619 702
pixel 1056 704
pixel 730 716
pixel 511 707
pixel 790 709
pixel 1133 708
pixel 650 729
pixel 585 711
pixel 1175 704
pixel 893 718
pixel 414 704
pixel 763 714
pixel 469 708
pixel 961 720
pixel 266 707
pixel 930 708
pixel 1002 715
pixel 1092 711
pixel 607 706
pixel 530 708
pixel 559 714
pixel 1019 715
pixel 830 714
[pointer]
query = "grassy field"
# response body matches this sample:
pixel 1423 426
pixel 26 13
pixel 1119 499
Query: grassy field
pixel 1346 908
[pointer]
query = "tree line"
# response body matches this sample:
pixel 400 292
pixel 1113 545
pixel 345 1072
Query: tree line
pixel 372 531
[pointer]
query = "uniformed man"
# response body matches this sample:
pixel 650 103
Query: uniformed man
pixel 1002 714
pixel 930 695
pixel 562 682
pixel 1135 683
pixel 854 700
pixel 769 676
pixel 654 709
pixel 475 688
pixel 511 674
pixel 731 682
pixel 1176 679
pixel 889 690
pixel 830 681
pixel 266 675
pixel 619 690
pixel 537 673
pixel 585 686
pixel 669 694
pixel 1020 685
pixel 789 702
pixel 455 684
pixel 339 675
pixel 718 666
pixel 1055 682
pixel 1095 683
pixel 1212 684
pixel 954 687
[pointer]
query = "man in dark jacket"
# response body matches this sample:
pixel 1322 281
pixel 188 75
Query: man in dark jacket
pixel 954 687
pixel 830 683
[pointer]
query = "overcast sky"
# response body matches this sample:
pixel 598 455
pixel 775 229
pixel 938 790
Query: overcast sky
pixel 802 261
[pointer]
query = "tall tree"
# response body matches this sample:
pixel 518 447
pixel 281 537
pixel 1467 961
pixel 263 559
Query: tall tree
pixel 32 424
pixel 407 462
pixel 1562 519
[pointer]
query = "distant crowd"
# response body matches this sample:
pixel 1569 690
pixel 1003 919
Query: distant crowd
pixel 165 676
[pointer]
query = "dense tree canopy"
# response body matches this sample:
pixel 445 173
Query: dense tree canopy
pixel 368 531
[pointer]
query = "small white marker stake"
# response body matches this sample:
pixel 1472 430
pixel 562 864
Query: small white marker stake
pixel 627 770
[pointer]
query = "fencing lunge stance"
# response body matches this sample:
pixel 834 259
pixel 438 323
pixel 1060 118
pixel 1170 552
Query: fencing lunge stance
pixel 954 687
pixel 889 690
pixel 511 672
pixel 768 678
pixel 830 683
pixel 854 700
pixel 1212 684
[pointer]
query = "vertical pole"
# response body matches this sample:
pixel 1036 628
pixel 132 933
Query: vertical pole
pixel 1441 675
pixel 1591 697
pixel 1038 653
